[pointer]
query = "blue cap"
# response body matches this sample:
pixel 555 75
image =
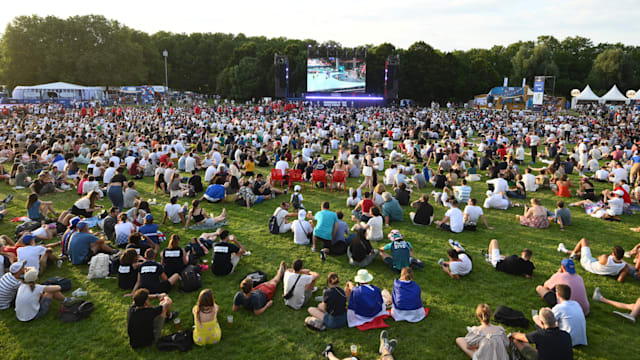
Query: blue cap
pixel 81 225
pixel 569 266
pixel 149 217
pixel 27 238
pixel 74 221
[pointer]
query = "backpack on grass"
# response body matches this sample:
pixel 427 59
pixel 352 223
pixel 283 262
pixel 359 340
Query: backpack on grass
pixel 99 267
pixel 75 311
pixel 274 228
pixel 510 317
pixel 181 341
pixel 190 279
pixel 258 277
pixel 64 283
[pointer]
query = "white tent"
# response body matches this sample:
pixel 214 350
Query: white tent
pixel 614 95
pixel 587 95
pixel 60 90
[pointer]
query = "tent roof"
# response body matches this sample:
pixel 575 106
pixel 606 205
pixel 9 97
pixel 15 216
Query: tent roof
pixel 57 86
pixel 614 95
pixel 587 95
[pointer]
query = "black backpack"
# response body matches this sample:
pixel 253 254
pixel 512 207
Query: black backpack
pixel 190 279
pixel 64 283
pixel 258 277
pixel 27 226
pixel 274 228
pixel 510 317
pixel 75 311
pixel 181 341
pixel 295 201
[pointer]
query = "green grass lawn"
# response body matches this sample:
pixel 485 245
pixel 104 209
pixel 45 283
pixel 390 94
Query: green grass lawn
pixel 280 333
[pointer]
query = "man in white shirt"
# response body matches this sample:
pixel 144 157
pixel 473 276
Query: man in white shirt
pixel 529 181
pixel 611 265
pixel 108 174
pixel 189 163
pixel 174 211
pixel 618 173
pixel 459 263
pixel 378 162
pixel 36 256
pixel 210 173
pixel 569 315
pixel 602 174
pixel 453 219
pixel 500 185
pixel 282 213
pixel 282 165
pixel 299 285
pixel 472 213
pixel 533 144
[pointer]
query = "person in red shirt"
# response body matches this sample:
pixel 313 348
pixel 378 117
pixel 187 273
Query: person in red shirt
pixel 502 151
pixel 83 111
pixel 619 186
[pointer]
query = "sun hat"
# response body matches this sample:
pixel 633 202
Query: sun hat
pixel 31 275
pixel 17 266
pixel 569 265
pixel 395 235
pixel 363 276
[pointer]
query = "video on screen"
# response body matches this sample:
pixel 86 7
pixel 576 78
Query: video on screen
pixel 336 75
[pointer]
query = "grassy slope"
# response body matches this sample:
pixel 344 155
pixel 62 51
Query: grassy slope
pixel 280 331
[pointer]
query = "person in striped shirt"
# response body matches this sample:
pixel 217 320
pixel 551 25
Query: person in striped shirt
pixel 460 193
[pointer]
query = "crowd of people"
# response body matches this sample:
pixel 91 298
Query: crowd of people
pixel 392 155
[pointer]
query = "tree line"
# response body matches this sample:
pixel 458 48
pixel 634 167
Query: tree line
pixel 93 50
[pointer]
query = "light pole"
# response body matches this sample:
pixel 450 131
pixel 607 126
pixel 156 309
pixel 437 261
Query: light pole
pixel 165 53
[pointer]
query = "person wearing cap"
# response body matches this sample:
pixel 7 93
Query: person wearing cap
pixel 566 275
pixel 10 282
pixel 550 341
pixel 281 214
pixel 34 300
pixel 365 300
pixel 300 198
pixel 398 253
pixel 302 228
pixel 83 245
pixel 36 256
pixel 611 265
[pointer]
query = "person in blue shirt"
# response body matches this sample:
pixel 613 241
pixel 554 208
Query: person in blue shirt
pixel 38 210
pixel 391 209
pixel 326 228
pixel 215 192
pixel 84 245
pixel 150 231
pixel 398 254
pixel 635 168
pixel 406 299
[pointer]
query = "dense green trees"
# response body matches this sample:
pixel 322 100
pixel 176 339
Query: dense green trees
pixel 93 50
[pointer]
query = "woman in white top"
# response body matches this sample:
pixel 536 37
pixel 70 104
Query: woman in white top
pixel 33 300
pixel 302 228
pixel 354 200
pixel 373 227
pixel 86 205
pixel 124 229
pixel 485 342
pixel 377 195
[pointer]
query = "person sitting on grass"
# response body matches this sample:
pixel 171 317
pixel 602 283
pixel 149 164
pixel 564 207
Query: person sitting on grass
pixel 550 341
pixel 566 275
pixel 561 216
pixel 611 265
pixel 257 299
pixel 332 311
pixel 144 323
pixel 569 316
pixel 173 258
pixel 175 212
pixel 459 263
pixel 199 219
pixel 205 318
pixel 325 229
pixel 10 283
pixel 86 205
pixel 386 349
pixel 398 253
pixel 36 256
pixel 487 341
pixel 282 213
pixel 514 264
pixel 391 209
pixel 406 300
pixel 362 211
pixel 360 251
pixel 424 211
pixel 38 210
pixel 634 307
pixel 299 285
pixel 227 252
pixel 471 214
pixel 609 208
pixel 535 216
pixel 152 276
pixel 33 300
pixel 453 219
pixel 365 300
pixel 84 245
pixel 127 269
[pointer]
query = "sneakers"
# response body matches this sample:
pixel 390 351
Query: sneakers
pixel 384 340
pixel 596 294
pixel 327 350
pixel 79 293
pixel 392 345
pixel 625 316
pixel 454 244
pixel 562 248
pixel 313 249
pixel 69 300
pixel 8 199
pixel 574 257
pixel 487 258
pixel 323 255
pixel 440 261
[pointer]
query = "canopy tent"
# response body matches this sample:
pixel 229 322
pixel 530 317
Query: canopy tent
pixel 58 90
pixel 614 95
pixel 587 95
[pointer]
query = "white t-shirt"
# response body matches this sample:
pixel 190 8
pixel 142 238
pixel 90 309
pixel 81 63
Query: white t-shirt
pixel 83 203
pixel 374 232
pixel 473 213
pixel 456 219
pixel 529 181
pixel 297 300
pixel 108 174
pixel 173 212
pixel 281 215
pixel 300 230
pixel 462 267
pixel 497 202
pixel 211 171
pixel 125 228
pixel 28 302
pixel 615 206
pixel 32 255
pixel 571 319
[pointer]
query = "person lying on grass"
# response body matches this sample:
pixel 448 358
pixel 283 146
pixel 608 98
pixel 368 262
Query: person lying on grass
pixel 611 265
pixel 257 299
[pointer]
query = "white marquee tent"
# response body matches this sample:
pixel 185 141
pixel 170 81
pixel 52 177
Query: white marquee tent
pixel 587 95
pixel 614 95
pixel 60 90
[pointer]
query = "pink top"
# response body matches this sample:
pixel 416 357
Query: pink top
pixel 578 292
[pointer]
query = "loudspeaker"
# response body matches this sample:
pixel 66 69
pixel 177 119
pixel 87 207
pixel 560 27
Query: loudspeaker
pixel 391 77
pixel 281 75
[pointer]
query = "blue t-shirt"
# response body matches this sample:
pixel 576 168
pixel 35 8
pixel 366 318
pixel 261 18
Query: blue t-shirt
pixel 324 224
pixel 406 295
pixel 151 230
pixel 79 246
pixel 400 252
pixel 366 300
pixel 635 159
pixel 343 228
pixel 34 211
pixel 215 191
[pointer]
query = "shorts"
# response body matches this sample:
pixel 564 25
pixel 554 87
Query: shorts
pixel 45 304
pixel 268 289
pixel 550 298
pixel 163 287
pixel 445 227
pixel 494 257
pixel 210 199
pixel 586 259
pixel 259 199
pixel 335 322
pixel 389 262
pixel 529 353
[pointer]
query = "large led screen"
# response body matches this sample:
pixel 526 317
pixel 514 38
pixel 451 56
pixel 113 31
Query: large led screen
pixel 336 74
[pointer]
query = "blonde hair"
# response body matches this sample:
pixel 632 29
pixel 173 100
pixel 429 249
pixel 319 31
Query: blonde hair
pixel 483 312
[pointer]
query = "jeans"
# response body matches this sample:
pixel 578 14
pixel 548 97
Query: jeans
pixel 115 195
